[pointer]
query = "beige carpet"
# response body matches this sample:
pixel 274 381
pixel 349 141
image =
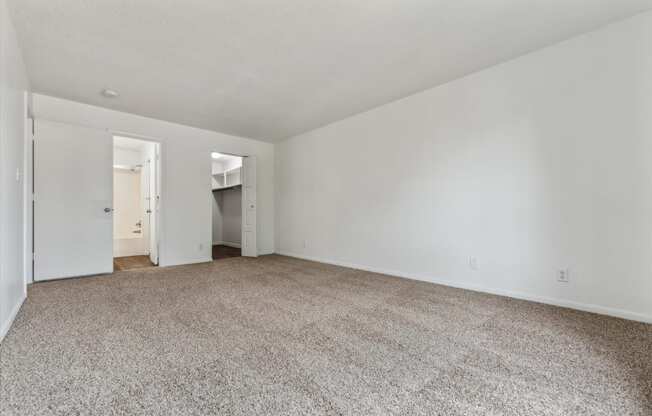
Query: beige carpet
pixel 280 336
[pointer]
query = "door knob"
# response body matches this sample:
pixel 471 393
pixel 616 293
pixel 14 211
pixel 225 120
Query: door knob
pixel 107 210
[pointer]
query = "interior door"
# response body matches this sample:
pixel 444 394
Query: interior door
pixel 128 213
pixel 248 172
pixel 154 167
pixel 73 197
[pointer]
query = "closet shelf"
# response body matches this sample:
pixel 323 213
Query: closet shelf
pixel 228 171
pixel 238 186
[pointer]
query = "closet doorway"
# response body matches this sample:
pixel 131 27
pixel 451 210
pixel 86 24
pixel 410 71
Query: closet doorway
pixel 135 203
pixel 233 205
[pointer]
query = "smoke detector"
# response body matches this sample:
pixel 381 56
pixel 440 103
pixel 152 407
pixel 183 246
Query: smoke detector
pixel 108 93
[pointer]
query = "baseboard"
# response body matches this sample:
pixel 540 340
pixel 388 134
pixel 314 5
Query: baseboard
pixel 4 329
pixel 228 244
pixel 186 262
pixel 602 310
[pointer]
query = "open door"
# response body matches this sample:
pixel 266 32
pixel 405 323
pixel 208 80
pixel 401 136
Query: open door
pixel 249 247
pixel 73 201
pixel 153 202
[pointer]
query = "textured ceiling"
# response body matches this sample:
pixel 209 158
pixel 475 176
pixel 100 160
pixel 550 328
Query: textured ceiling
pixel 272 69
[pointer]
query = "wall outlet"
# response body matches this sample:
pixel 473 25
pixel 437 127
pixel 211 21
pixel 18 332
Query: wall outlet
pixel 201 246
pixel 563 275
pixel 473 263
pixel 305 243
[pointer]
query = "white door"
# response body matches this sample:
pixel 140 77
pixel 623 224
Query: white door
pixel 144 206
pixel 73 191
pixel 128 213
pixel 248 173
pixel 154 199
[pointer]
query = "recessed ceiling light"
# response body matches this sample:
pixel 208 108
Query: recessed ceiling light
pixel 109 93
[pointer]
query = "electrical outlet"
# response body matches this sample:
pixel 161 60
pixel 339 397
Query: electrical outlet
pixel 305 243
pixel 473 263
pixel 201 246
pixel 563 276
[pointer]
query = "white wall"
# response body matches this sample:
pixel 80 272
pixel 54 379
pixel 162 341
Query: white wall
pixel 227 217
pixel 127 157
pixel 127 195
pixel 128 199
pixel 231 208
pixel 535 165
pixel 186 234
pixel 232 163
pixel 216 168
pixel 216 210
pixel 13 109
pixel 125 242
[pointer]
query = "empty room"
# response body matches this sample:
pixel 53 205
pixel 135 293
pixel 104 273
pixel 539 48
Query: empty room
pixel 289 207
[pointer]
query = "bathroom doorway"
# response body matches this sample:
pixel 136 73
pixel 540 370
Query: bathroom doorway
pixel 135 203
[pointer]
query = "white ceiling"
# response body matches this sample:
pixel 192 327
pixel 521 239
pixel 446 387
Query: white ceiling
pixel 271 69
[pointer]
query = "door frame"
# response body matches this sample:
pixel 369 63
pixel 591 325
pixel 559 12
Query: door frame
pixel 160 183
pixel 243 202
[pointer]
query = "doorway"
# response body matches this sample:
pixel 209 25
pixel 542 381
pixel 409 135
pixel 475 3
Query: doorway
pixel 233 208
pixel 226 205
pixel 135 203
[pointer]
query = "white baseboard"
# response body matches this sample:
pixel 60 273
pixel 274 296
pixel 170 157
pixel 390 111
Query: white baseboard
pixel 228 244
pixel 602 310
pixel 186 262
pixel 4 328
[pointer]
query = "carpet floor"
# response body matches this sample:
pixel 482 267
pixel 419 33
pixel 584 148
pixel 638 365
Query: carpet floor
pixel 281 336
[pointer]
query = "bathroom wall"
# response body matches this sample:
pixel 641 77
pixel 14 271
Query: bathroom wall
pixel 130 193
